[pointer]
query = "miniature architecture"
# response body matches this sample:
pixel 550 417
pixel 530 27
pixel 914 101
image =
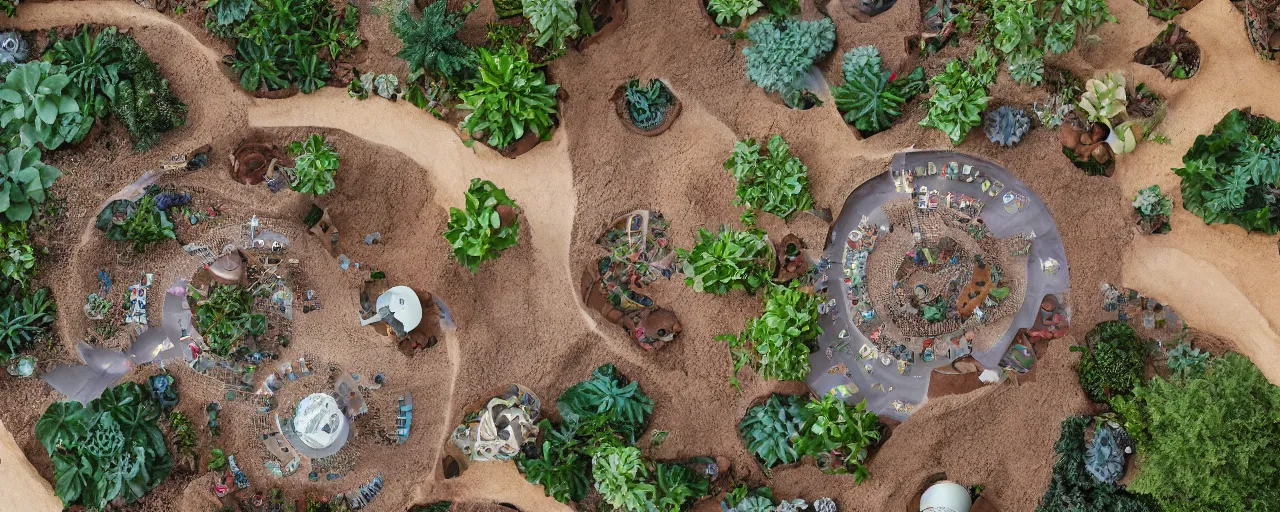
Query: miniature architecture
pixel 319 429
pixel 502 426
pixel 397 313
pixel 946 496
pixel 399 308
pixel 639 252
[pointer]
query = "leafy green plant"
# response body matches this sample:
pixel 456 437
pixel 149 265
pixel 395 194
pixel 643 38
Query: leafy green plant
pixel 1022 30
pixel 19 262
pixel 1150 203
pixel 143 224
pixel 743 499
pixel 623 405
pixel 1230 175
pixel 1186 362
pixel 778 342
pixel 225 317
pixel 1104 98
pixel 508 8
pixel 620 477
pixel 431 43
pixel 23 182
pixel 276 40
pixel 845 432
pixel 732 13
pixel 959 97
pixel 217 459
pixel 509 97
pixel 1027 67
pixel 871 98
pixel 781 52
pixel 33 96
pixel 478 234
pixel 144 102
pixel 677 485
pixel 1073 489
pixel 228 12
pixel 315 163
pixel 774 181
pixel 553 21
pixel 1111 360
pixel 23 318
pixel 647 106
pixel 108 451
pixel 770 429
pixel 92 63
pixel 561 468
pixel 728 260
pixel 312 72
pixel 1213 441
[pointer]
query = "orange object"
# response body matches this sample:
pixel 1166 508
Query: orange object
pixel 976 291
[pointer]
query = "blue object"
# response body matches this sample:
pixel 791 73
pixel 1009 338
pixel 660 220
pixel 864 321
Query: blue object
pixel 105 279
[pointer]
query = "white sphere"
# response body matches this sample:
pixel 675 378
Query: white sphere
pixel 318 421
pixel 945 496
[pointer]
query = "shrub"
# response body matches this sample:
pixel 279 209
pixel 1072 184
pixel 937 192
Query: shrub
pixel 728 260
pixel 732 13
pixel 479 234
pixel 620 478
pixel 315 163
pixel 1023 29
pixel 144 103
pixel 553 21
pixel 959 97
pixel 770 429
pixel 775 181
pixel 509 97
pixel 1228 176
pixel 110 450
pixel 23 182
pixel 431 43
pixel 19 260
pixel 1213 441
pixel 141 222
pixel 224 13
pixel 871 98
pixel 1111 360
pixel 1072 488
pixel 283 42
pixel 845 432
pixel 561 469
pixel 781 52
pixel 647 106
pixel 23 318
pixel 777 343
pixel 226 316
pixel 677 485
pixel 607 394
pixel 33 96
pixel 92 62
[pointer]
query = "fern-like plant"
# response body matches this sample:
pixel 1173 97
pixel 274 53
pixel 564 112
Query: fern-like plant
pixel 871 98
pixel 781 52
pixel 728 260
pixel 431 43
pixel 479 233
pixel 775 181
pixel 1111 361
pixel 144 102
pixel 777 343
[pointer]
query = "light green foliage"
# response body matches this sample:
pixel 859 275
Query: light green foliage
pixel 283 42
pixel 847 432
pixel 1111 361
pixel 110 450
pixel 1027 67
pixel 33 97
pixel 777 343
pixel 431 43
pixel 623 405
pixel 620 478
pixel 144 224
pixel 1187 362
pixel 775 181
pixel 92 62
pixel 728 260
pixel 770 429
pixel 217 459
pixel 1213 441
pixel 1016 23
pixel 1230 174
pixel 1060 38
pixel 477 234
pixel 732 13
pixel 1022 30
pixel 315 163
pixel 782 50
pixel 742 499
pixel 1150 202
pixel 553 21
pixel 1073 489
pixel 226 317
pixel 24 180
pixel 959 97
pixel 868 99
pixel 17 257
pixel 1104 98
pixel 509 97
pixel 144 103
pixel 23 318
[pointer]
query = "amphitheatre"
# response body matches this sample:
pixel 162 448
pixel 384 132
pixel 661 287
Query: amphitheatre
pixel 231 284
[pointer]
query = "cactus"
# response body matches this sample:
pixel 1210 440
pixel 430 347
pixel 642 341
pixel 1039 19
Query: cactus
pixel 1104 99
pixel 1006 126
pixel 13 48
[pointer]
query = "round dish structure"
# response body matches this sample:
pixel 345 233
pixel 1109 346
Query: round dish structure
pixel 319 427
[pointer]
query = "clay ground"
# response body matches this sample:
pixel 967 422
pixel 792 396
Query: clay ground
pixel 519 320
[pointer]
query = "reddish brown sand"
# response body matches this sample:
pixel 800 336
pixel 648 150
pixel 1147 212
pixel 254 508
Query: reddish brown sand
pixel 519 320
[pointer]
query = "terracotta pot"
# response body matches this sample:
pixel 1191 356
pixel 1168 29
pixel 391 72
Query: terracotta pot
pixel 615 12
pixel 619 100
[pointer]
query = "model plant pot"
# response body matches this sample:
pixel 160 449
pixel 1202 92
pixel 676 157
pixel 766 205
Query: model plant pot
pixel 619 100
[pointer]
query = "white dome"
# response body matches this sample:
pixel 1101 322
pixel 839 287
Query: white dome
pixel 945 496
pixel 404 305
pixel 319 422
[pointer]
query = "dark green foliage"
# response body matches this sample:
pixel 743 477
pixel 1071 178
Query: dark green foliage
pixel 23 318
pixel 478 234
pixel 845 432
pixel 508 8
pixel 438 506
pixel 868 99
pixel 312 72
pixel 770 429
pixel 93 63
pixel 562 467
pixel 774 181
pixel 144 103
pixel 277 40
pixel 1111 362
pixel 19 262
pixel 1212 441
pixel 228 12
pixel 728 260
pixel 677 486
pixel 431 43
pixel 182 434
pixel 777 344
pixel 608 394
pixel 1230 176
pixel 781 52
pixel 141 222
pixel 509 97
pixel 1073 489
pixel 109 450
pixel 9 7
pixel 647 106
pixel 226 316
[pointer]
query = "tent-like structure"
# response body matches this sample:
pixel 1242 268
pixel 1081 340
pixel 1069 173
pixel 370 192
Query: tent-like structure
pixel 400 308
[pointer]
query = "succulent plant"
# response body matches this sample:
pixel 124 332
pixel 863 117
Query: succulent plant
pixel 1104 98
pixel 1006 125
pixel 824 505
pixel 1126 137
pixel 795 505
pixel 647 105
pixel 13 48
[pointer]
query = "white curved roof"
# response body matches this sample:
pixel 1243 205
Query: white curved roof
pixel 404 305
pixel 945 496
pixel 319 421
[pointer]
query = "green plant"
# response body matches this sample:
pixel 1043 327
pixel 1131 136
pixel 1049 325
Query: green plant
pixel 226 316
pixel 509 97
pixel 770 429
pixel 1073 489
pixel 228 12
pixel 778 342
pixel 647 106
pixel 1022 30
pixel 508 8
pixel 1187 362
pixel 1006 125
pixel 33 95
pixel 742 499
pixel 93 64
pixel 620 477
pixel 846 432
pixel 110 450
pixel 1224 421
pixel 959 97
pixel 217 459
pixel 144 103
pixel 9 7
pixel 608 394
pixel 1104 98
pixel 871 98
pixel 479 233
pixel 728 260
pixel 781 52
pixel 312 72
pixel 732 13
pixel 1150 203
pixel 276 40
pixel 775 181
pixel 23 318
pixel 553 21
pixel 431 43
pixel 144 224
pixel 183 436
pixel 1231 174
pixel 1111 360
pixel 19 263
pixel 561 468
pixel 315 163
pixel 1027 67
pixel 23 182
pixel 677 485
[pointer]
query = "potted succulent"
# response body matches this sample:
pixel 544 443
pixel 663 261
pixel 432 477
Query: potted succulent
pixel 648 109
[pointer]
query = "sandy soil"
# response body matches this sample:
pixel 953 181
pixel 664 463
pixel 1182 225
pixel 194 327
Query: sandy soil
pixel 520 319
